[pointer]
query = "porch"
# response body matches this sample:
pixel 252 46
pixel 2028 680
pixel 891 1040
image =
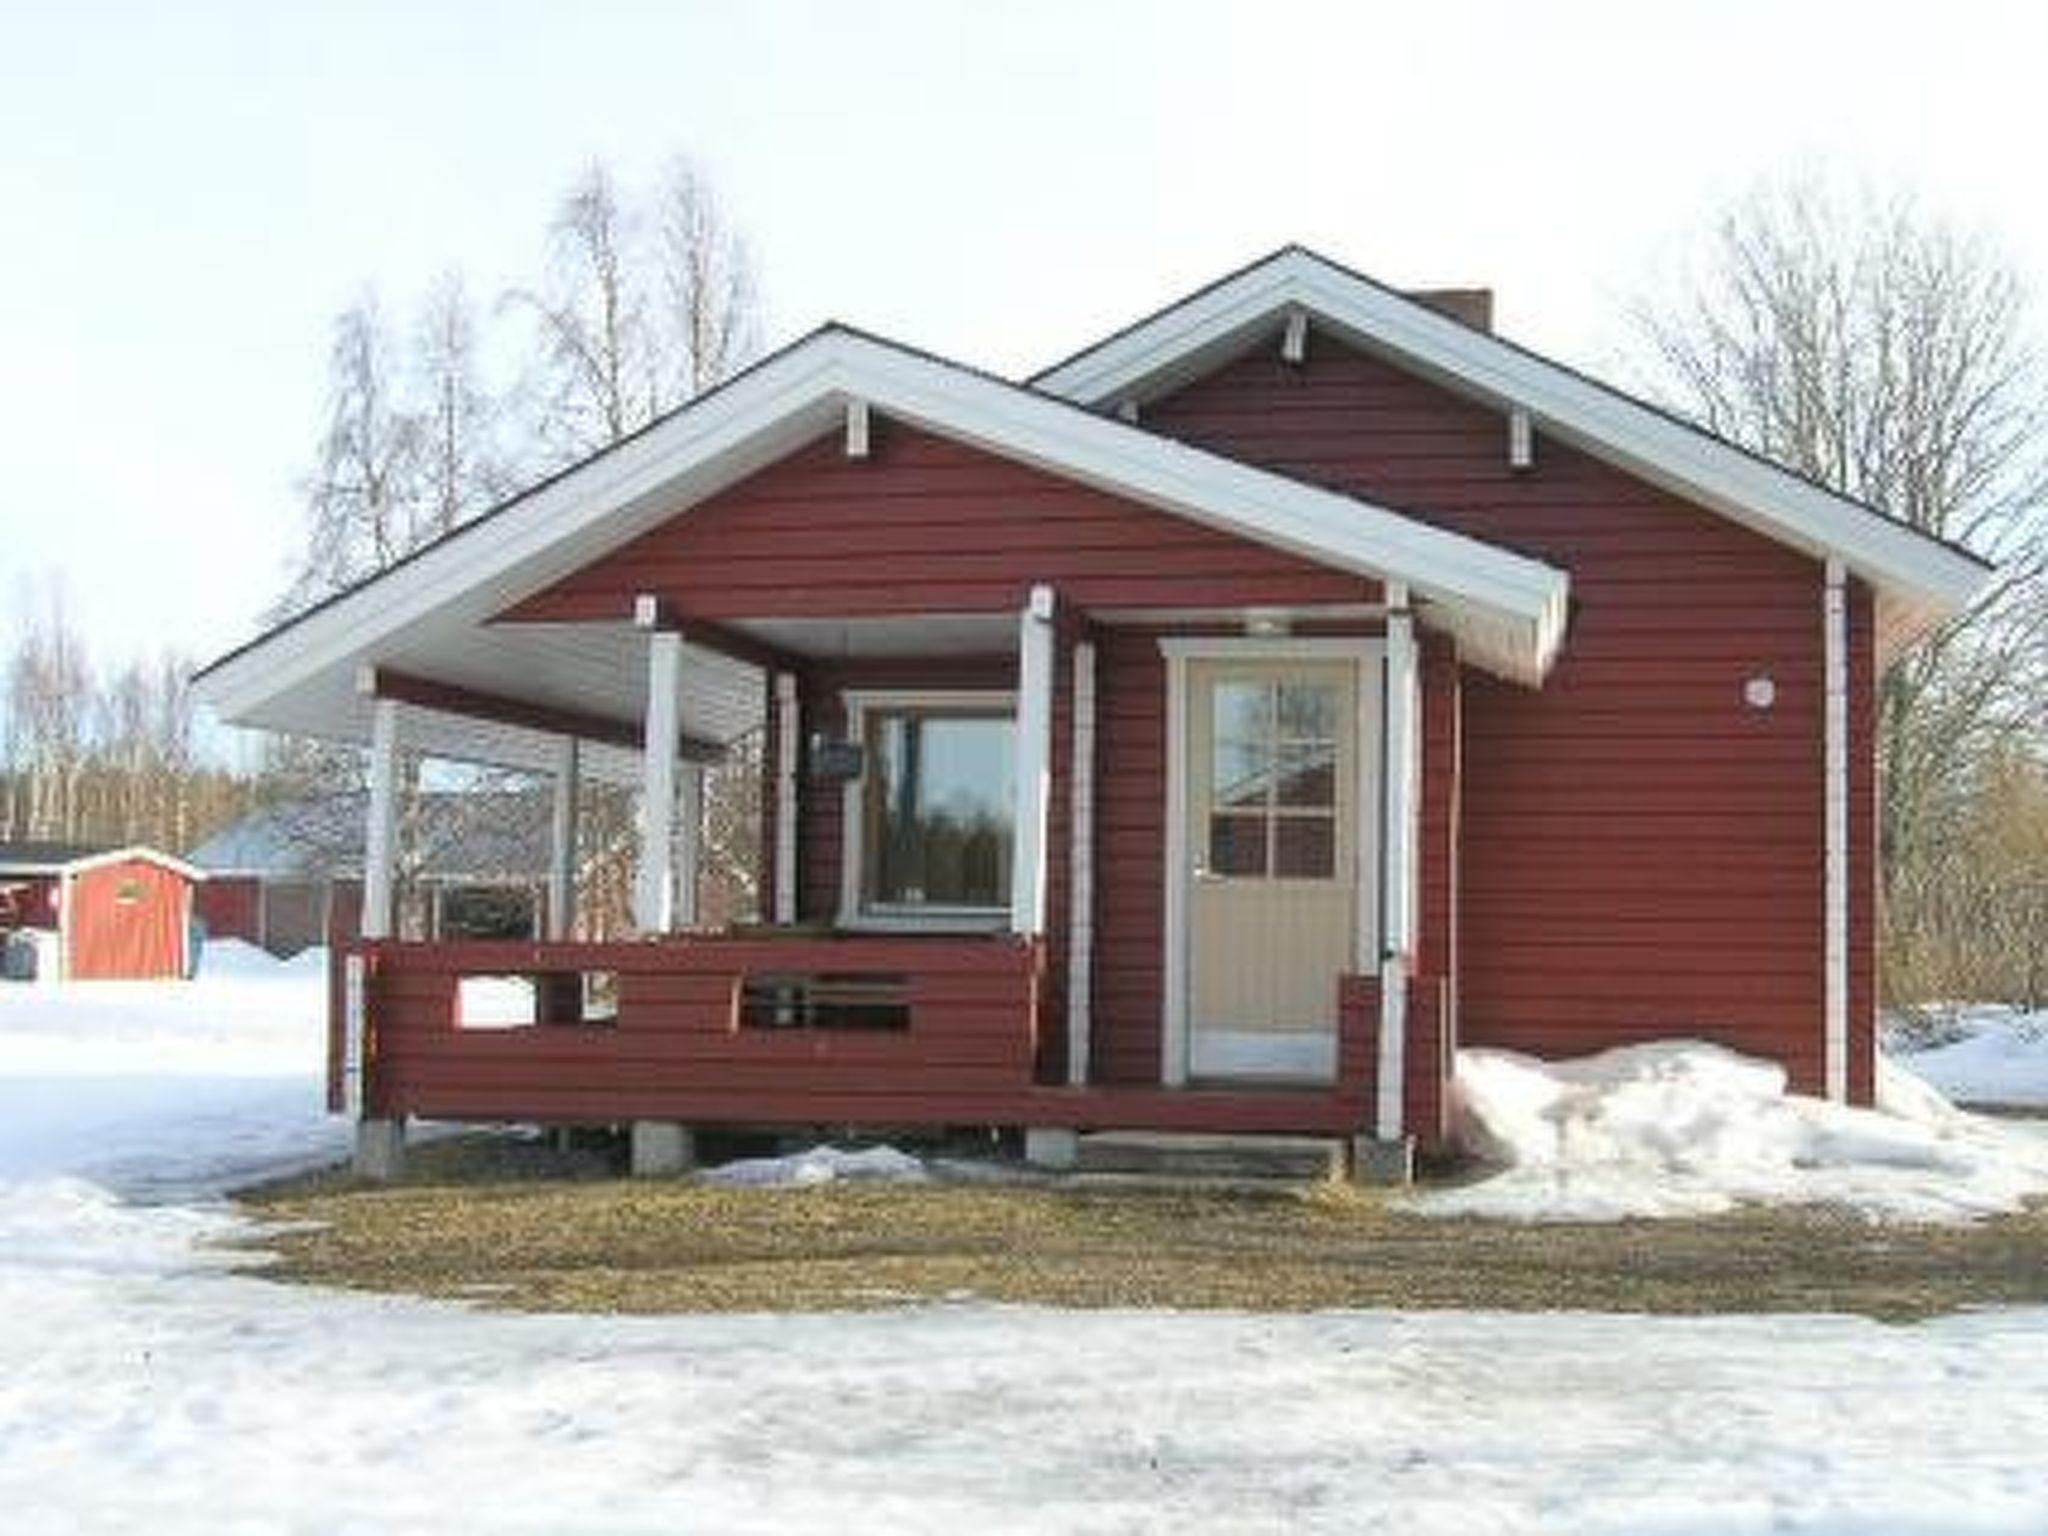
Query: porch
pixel 793 1030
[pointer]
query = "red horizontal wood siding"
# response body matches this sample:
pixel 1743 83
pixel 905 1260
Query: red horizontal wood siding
pixel 28 901
pixel 126 921
pixel 231 907
pixel 925 525
pixel 1641 850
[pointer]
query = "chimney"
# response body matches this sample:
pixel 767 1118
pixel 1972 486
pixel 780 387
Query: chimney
pixel 1468 306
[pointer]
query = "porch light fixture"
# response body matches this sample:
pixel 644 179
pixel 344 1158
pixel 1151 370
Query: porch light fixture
pixel 1266 623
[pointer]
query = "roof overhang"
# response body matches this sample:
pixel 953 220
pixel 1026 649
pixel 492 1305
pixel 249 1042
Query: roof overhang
pixel 432 613
pixel 1920 580
pixel 89 861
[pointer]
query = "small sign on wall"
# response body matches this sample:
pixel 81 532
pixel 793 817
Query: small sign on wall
pixel 838 761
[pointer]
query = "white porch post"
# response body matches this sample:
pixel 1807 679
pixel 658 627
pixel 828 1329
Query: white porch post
pixel 1835 757
pixel 1400 743
pixel 788 735
pixel 380 1142
pixel 1034 763
pixel 654 883
pixel 1081 869
pixel 689 843
pixel 562 845
pixel 380 834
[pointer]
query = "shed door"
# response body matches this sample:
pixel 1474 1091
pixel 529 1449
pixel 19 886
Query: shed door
pixel 1274 834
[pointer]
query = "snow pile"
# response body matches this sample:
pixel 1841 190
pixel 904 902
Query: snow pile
pixel 1985 1055
pixel 1689 1129
pixel 239 960
pixel 821 1165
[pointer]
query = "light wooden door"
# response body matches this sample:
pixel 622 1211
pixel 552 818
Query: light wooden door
pixel 1274 830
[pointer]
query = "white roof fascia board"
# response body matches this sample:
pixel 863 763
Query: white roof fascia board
pixel 175 865
pixel 564 524
pixel 1682 458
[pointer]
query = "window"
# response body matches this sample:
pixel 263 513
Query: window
pixel 929 820
pixel 1273 785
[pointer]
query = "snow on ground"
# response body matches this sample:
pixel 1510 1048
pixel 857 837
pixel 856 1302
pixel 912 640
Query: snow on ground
pixel 1686 1129
pixel 1984 1054
pixel 821 1165
pixel 145 1385
pixel 155 1089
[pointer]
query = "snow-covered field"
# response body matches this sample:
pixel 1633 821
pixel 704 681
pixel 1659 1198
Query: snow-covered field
pixel 146 1386
pixel 1987 1055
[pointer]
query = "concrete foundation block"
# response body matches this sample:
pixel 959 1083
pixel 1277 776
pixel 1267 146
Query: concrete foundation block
pixel 662 1148
pixel 380 1149
pixel 1382 1160
pixel 1052 1146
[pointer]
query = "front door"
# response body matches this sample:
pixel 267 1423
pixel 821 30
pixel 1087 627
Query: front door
pixel 1274 834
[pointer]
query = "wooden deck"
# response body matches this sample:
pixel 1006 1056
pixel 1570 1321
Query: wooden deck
pixel 867 1031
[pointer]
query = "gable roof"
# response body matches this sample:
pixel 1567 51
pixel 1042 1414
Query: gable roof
pixel 1921 579
pixel 1507 610
pixel 475 835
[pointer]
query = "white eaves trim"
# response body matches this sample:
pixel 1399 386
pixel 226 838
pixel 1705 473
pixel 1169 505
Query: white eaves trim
pixel 1171 345
pixel 138 853
pixel 1508 611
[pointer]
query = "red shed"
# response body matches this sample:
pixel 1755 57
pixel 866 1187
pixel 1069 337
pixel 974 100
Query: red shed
pixel 1211 733
pixel 121 914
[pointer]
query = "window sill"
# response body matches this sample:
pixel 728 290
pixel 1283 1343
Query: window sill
pixel 926 922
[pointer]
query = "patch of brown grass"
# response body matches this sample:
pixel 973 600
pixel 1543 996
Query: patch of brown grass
pixel 525 1229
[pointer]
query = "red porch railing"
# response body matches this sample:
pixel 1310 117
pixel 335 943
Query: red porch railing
pixel 705 1029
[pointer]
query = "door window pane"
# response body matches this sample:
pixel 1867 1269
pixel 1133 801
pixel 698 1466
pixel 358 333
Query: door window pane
pixel 938 794
pixel 1273 779
pixel 1307 776
pixel 1304 847
pixel 1243 711
pixel 1237 845
pixel 1306 711
pixel 1243 773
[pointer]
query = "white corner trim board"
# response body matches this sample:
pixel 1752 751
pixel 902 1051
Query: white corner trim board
pixel 1835 753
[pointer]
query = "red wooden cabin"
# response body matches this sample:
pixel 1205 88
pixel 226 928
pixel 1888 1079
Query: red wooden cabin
pixel 1213 732
pixel 120 914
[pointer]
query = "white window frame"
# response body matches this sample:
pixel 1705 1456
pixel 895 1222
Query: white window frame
pixel 859 703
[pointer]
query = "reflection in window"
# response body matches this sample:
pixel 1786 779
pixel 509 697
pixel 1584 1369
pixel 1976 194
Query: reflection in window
pixel 1273 784
pixel 937 799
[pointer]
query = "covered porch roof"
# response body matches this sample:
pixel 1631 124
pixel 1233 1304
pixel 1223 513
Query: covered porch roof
pixel 431 628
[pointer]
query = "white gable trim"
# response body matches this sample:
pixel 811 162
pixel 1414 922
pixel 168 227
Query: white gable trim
pixel 1507 611
pixel 1182 341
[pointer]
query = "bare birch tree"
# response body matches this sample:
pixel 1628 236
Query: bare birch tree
pixel 1879 350
pixel 644 303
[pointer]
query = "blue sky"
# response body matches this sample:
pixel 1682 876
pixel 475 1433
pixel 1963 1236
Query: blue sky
pixel 188 193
